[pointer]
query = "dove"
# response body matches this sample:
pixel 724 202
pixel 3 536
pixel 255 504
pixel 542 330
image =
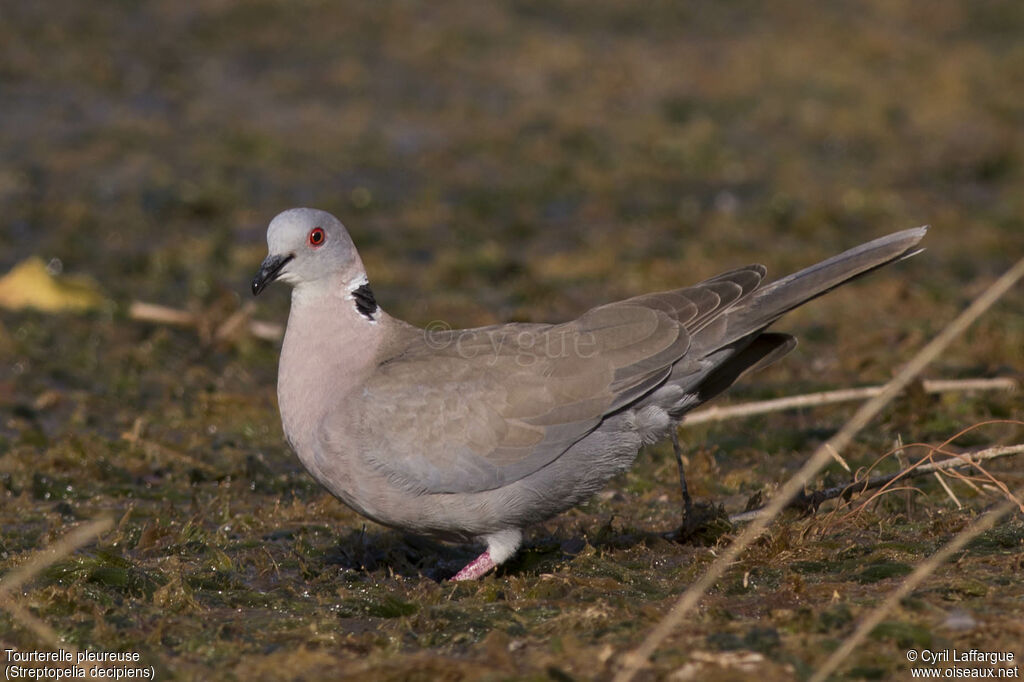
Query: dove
pixel 473 435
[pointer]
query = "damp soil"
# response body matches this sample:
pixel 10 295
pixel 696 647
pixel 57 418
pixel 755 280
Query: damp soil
pixel 499 161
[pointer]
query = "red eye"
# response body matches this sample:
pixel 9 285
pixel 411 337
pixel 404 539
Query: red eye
pixel 316 236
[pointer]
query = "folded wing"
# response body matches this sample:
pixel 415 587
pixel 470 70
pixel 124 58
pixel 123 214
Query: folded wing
pixel 473 410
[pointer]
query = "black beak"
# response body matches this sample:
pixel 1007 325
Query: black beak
pixel 269 270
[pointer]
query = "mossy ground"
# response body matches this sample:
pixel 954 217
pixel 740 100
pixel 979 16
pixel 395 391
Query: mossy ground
pixel 496 161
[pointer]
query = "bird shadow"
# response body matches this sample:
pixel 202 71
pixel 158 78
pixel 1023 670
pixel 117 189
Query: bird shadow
pixel 365 551
pixel 412 556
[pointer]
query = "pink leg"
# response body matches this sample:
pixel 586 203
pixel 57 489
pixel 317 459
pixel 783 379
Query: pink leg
pixel 476 568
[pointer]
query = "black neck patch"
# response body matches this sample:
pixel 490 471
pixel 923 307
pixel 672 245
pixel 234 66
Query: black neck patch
pixel 366 304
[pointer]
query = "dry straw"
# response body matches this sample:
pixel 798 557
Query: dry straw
pixel 714 414
pixel 236 323
pixel 634 660
pixel 921 468
pixel 15 579
pixel 925 569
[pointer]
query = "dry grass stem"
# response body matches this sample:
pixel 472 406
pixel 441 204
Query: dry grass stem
pixel 920 468
pixel 839 458
pixel 35 625
pixel 83 535
pixel 13 582
pixel 158 451
pixel 151 312
pixel 927 465
pixel 980 525
pixel 236 323
pixel 714 414
pixel 632 661
pixel 949 491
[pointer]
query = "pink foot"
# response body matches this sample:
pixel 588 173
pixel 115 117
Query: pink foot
pixel 476 568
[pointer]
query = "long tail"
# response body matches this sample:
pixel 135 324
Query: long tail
pixel 769 303
pixel 736 342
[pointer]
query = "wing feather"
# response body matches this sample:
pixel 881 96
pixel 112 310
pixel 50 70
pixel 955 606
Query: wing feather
pixel 494 404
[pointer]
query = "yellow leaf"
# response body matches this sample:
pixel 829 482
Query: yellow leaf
pixel 30 285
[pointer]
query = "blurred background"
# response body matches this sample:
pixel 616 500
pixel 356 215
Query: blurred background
pixel 514 160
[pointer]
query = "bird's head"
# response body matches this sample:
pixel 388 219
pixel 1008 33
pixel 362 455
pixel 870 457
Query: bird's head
pixel 307 246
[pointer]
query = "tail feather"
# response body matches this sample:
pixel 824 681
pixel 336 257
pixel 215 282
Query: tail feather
pixel 761 351
pixel 772 301
pixel 734 342
pixel 729 340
